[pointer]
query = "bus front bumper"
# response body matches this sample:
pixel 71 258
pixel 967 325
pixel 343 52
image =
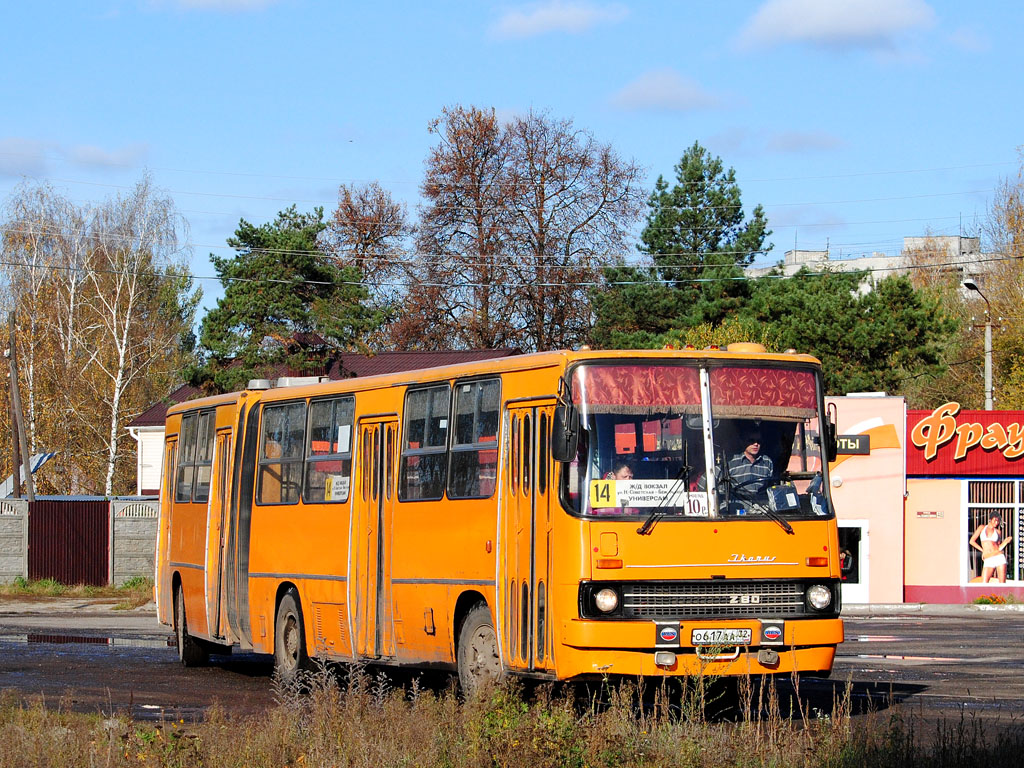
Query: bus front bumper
pixel 633 648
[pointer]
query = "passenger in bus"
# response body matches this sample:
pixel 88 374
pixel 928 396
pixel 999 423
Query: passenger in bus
pixel 621 470
pixel 751 471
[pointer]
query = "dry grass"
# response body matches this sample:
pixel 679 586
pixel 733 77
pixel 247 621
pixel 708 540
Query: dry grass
pixel 363 721
pixel 131 594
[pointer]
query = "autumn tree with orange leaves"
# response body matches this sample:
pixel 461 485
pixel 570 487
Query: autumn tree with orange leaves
pixel 517 217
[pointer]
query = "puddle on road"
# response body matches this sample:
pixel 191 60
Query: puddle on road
pixel 875 639
pixel 902 657
pixel 119 642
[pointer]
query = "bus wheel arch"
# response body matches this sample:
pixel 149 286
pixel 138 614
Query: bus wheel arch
pixel 477 657
pixel 290 656
pixel 192 652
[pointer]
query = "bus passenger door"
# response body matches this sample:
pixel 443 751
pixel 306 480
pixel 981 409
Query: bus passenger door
pixel 525 605
pixel 373 511
pixel 216 511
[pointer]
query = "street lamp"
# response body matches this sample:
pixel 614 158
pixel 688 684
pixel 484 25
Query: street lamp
pixel 970 285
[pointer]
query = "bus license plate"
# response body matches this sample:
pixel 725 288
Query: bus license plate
pixel 720 636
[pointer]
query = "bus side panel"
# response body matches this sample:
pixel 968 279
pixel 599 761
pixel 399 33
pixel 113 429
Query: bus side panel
pixel 301 545
pixel 305 546
pixel 162 577
pixel 237 555
pixel 439 551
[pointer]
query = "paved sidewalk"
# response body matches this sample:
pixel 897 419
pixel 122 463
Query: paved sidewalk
pixel 927 609
pixel 31 605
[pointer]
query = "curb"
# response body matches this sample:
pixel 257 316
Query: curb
pixel 927 609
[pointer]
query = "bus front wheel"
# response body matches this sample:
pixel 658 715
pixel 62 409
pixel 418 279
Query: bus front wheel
pixel 289 638
pixel 191 651
pixel 478 659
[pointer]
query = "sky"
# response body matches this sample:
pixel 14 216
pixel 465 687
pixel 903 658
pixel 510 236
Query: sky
pixel 855 123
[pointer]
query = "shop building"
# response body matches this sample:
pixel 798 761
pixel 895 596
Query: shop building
pixel 911 487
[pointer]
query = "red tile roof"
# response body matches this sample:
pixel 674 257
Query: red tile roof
pixel 345 365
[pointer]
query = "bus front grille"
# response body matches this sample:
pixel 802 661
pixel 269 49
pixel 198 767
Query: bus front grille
pixel 717 599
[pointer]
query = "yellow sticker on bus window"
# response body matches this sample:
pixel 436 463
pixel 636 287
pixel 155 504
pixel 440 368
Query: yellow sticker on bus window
pixel 602 493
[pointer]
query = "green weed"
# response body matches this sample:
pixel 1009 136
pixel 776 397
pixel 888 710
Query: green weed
pixel 360 720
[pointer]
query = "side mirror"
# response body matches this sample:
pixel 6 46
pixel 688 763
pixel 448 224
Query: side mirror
pixel 565 433
pixel 831 435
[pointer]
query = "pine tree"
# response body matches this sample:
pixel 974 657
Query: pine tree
pixel 277 285
pixel 698 242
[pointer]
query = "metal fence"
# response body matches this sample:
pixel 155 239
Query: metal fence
pixel 68 541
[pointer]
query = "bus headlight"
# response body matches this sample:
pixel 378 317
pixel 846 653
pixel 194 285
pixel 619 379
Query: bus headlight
pixel 606 600
pixel 819 597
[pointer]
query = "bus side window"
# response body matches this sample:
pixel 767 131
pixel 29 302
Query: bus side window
pixel 281 454
pixel 329 450
pixel 186 459
pixel 474 455
pixel 204 456
pixel 424 462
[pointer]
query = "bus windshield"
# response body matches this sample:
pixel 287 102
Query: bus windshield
pixel 650 432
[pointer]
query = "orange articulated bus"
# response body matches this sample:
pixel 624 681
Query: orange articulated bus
pixel 558 515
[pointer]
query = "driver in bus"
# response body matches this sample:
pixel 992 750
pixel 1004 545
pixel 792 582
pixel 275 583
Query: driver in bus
pixel 751 471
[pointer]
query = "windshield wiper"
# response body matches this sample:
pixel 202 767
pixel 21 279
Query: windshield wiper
pixel 773 515
pixel 659 510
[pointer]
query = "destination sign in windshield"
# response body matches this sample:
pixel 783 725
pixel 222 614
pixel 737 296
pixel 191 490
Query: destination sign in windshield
pixel 646 494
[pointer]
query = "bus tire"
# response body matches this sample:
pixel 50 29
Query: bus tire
pixel 192 651
pixel 289 638
pixel 478 660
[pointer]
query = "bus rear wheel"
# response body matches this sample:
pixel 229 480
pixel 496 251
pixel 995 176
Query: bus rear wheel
pixel 289 638
pixel 192 652
pixel 478 661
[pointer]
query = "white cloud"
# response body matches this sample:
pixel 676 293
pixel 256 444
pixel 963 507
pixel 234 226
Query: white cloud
pixel 556 16
pixel 813 216
pixel 803 141
pixel 970 40
pixel 844 24
pixel 22 157
pixel 240 6
pixel 756 143
pixel 90 156
pixel 664 90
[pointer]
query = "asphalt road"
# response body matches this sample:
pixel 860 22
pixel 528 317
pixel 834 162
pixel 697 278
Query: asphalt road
pixel 941 662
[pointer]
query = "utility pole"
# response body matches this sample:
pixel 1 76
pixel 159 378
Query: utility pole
pixel 18 422
pixel 15 449
pixel 972 285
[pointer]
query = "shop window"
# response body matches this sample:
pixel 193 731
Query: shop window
pixel 985 499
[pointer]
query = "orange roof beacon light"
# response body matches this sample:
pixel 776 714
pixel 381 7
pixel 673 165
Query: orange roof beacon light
pixel 746 348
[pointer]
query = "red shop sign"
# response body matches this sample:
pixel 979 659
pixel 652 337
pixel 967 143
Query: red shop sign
pixel 965 442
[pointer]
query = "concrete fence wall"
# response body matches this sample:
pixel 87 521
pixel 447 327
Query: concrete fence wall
pixel 133 526
pixel 130 544
pixel 13 539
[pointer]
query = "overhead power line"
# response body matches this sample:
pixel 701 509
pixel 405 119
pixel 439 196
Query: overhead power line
pixel 504 283
pixel 340 181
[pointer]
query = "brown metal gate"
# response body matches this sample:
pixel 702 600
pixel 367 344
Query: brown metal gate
pixel 69 540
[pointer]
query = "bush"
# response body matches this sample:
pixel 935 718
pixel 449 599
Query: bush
pixel 995 599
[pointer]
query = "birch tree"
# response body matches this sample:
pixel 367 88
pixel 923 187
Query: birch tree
pixel 133 308
pixel 31 254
